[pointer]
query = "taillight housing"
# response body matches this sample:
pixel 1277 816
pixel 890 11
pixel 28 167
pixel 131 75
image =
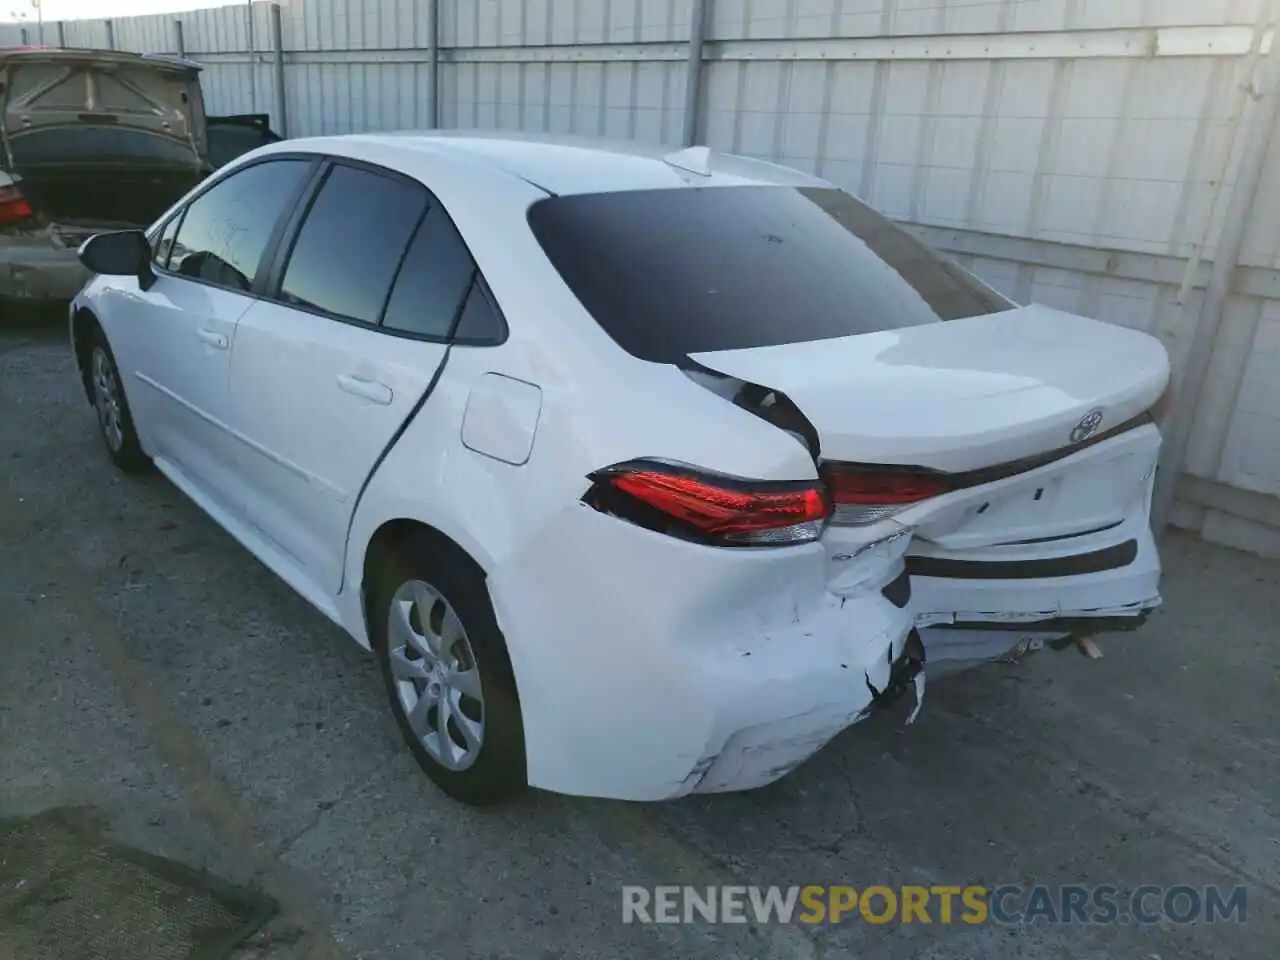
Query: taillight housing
pixel 14 207
pixel 711 508
pixel 865 494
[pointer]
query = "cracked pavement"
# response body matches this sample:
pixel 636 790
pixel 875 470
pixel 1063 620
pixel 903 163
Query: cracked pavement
pixel 153 669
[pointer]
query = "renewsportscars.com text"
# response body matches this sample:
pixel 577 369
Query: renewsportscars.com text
pixel 944 904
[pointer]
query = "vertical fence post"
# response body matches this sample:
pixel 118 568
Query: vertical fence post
pixel 253 57
pixel 179 38
pixel 433 63
pixel 693 70
pixel 62 34
pixel 277 49
pixel 111 34
pixel 1188 400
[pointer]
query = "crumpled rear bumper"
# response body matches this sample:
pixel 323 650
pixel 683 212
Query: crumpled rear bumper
pixel 650 668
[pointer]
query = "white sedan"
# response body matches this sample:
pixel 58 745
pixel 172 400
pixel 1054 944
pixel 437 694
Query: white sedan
pixel 642 473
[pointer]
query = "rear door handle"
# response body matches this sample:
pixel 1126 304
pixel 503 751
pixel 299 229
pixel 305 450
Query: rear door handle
pixel 379 393
pixel 213 339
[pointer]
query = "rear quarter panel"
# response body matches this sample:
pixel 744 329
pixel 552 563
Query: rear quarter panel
pixel 599 405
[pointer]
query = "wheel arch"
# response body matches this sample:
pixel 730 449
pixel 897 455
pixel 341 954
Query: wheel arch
pixel 395 534
pixel 84 324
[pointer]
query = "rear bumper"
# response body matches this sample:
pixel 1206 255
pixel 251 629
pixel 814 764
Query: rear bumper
pixel 1110 600
pixel 34 270
pixel 650 668
pixel 1127 583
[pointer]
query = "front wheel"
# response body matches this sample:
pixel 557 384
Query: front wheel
pixel 115 421
pixel 447 673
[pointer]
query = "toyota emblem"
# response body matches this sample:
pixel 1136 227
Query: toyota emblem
pixel 1087 426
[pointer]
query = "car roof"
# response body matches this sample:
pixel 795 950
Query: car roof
pixel 568 165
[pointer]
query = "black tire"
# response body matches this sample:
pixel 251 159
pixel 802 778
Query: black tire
pixel 126 452
pixel 498 771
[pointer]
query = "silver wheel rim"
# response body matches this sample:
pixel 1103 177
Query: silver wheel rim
pixel 106 393
pixel 435 675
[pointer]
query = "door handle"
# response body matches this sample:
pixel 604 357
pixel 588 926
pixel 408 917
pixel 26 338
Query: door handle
pixel 212 338
pixel 379 393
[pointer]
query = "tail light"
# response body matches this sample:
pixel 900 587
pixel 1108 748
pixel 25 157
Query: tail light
pixel 864 495
pixel 13 205
pixel 709 507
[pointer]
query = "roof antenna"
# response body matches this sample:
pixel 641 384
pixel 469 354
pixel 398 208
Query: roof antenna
pixel 692 159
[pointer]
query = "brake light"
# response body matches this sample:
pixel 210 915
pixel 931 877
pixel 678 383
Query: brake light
pixel 710 507
pixel 13 205
pixel 864 495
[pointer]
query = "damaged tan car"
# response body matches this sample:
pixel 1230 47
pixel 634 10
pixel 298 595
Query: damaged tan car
pixel 96 140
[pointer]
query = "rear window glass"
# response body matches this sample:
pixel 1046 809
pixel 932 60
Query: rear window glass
pixel 95 144
pixel 667 273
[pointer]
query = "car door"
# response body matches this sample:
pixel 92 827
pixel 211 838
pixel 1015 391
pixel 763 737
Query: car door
pixel 178 333
pixel 233 135
pixel 325 373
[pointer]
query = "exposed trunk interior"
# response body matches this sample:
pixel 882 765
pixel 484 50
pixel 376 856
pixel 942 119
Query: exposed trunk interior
pixel 103 193
pixel 100 136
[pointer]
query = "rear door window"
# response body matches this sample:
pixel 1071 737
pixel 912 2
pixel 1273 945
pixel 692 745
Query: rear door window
pixel 671 272
pixel 436 276
pixel 226 229
pixel 480 322
pixel 351 244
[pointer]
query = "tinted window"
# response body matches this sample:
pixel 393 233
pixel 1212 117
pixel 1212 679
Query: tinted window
pixel 225 230
pixel 351 243
pixel 435 277
pixel 673 272
pixel 479 322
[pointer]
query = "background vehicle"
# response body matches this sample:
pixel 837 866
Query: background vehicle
pixel 642 474
pixel 96 140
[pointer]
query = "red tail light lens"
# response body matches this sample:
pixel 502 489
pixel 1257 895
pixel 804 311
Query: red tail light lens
pixel 862 495
pixel 13 205
pixel 709 507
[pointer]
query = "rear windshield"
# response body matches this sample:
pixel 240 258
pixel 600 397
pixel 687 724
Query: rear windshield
pixel 97 143
pixel 667 273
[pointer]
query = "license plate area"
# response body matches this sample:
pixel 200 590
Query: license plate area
pixel 1072 497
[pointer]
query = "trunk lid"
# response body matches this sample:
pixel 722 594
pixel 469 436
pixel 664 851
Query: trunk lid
pixel 100 136
pixel 964 394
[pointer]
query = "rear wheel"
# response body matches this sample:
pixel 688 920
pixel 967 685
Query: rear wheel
pixel 115 421
pixel 447 674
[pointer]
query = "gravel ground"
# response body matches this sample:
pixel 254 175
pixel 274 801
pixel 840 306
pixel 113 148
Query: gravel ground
pixel 151 668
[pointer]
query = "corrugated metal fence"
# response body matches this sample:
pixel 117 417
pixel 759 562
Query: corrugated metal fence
pixel 1081 153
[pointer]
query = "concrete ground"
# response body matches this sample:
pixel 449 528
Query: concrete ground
pixel 153 669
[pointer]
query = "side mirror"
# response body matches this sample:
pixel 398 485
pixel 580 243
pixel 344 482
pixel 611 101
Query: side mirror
pixel 121 253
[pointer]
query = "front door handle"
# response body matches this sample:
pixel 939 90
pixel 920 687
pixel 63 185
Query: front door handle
pixel 379 393
pixel 212 338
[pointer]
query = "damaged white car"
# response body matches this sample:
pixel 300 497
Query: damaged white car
pixel 643 474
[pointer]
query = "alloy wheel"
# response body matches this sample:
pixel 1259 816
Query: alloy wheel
pixel 106 396
pixel 435 674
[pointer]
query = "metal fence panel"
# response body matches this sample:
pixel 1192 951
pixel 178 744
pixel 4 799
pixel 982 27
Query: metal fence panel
pixel 1075 152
